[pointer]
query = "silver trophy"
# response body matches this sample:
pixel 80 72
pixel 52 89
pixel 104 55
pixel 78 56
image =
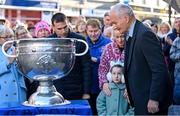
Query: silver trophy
pixel 44 60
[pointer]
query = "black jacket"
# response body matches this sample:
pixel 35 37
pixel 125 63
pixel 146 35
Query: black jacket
pixel 146 73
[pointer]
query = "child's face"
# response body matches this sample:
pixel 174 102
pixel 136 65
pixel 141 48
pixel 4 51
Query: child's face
pixel 116 74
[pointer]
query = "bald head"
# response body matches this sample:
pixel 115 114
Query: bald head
pixel 121 9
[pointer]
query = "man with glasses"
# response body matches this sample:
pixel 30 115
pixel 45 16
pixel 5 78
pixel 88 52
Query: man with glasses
pixel 77 84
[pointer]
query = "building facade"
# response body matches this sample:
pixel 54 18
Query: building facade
pixel 28 11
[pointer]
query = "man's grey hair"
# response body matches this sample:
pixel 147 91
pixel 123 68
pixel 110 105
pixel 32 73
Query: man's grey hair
pixel 121 9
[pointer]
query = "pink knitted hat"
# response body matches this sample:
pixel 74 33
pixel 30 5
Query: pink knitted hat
pixel 42 25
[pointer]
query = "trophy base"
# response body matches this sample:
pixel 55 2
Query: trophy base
pixel 46 95
pixel 35 105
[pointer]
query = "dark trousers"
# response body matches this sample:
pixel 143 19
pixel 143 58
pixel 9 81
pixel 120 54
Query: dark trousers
pixel 92 102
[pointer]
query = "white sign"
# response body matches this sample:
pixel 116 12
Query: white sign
pixel 93 12
pixel 46 16
pixel 68 11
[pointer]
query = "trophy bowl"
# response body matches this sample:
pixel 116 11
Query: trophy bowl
pixel 44 60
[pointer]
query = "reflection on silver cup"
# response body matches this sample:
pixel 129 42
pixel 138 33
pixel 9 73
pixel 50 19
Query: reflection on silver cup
pixel 44 60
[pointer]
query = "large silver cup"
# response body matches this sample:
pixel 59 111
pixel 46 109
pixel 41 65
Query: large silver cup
pixel 45 60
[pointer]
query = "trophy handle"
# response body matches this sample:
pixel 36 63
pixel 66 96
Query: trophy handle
pixel 8 42
pixel 85 51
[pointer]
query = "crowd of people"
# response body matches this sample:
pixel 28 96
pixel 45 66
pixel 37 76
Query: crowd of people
pixel 131 67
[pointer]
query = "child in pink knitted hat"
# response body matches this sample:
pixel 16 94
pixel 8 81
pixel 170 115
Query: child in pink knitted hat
pixel 42 29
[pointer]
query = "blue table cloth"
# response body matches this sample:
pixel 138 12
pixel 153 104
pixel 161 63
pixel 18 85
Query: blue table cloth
pixel 174 110
pixel 76 107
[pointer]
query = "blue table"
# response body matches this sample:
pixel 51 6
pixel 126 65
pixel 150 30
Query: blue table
pixel 174 110
pixel 77 107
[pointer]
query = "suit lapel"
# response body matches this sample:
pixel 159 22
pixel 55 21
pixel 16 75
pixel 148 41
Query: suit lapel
pixel 131 47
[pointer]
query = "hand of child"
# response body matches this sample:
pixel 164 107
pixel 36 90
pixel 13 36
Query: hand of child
pixel 106 89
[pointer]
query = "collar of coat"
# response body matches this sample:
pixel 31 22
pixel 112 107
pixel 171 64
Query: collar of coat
pixel 115 86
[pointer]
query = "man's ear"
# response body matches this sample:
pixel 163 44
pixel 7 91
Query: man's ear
pixel 52 27
pixel 127 19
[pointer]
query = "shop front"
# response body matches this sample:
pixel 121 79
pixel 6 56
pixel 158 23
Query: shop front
pixel 28 11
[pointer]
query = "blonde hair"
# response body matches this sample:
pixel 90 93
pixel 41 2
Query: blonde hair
pixel 166 24
pixel 20 28
pixel 94 23
pixel 78 23
pixel 108 32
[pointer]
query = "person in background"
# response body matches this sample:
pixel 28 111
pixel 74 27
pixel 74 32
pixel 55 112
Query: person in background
pixel 80 27
pixel 31 30
pixel 112 52
pixel 164 30
pixel 154 28
pixel 8 23
pixel 12 84
pixel 108 32
pixel 77 84
pixel 175 56
pixel 80 17
pixel 22 33
pixel 96 41
pixel 116 104
pixel 42 30
pixel 147 23
pixel 146 75
pixel 167 46
pixel 106 21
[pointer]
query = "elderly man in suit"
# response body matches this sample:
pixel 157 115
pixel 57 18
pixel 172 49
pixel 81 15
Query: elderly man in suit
pixel 146 75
